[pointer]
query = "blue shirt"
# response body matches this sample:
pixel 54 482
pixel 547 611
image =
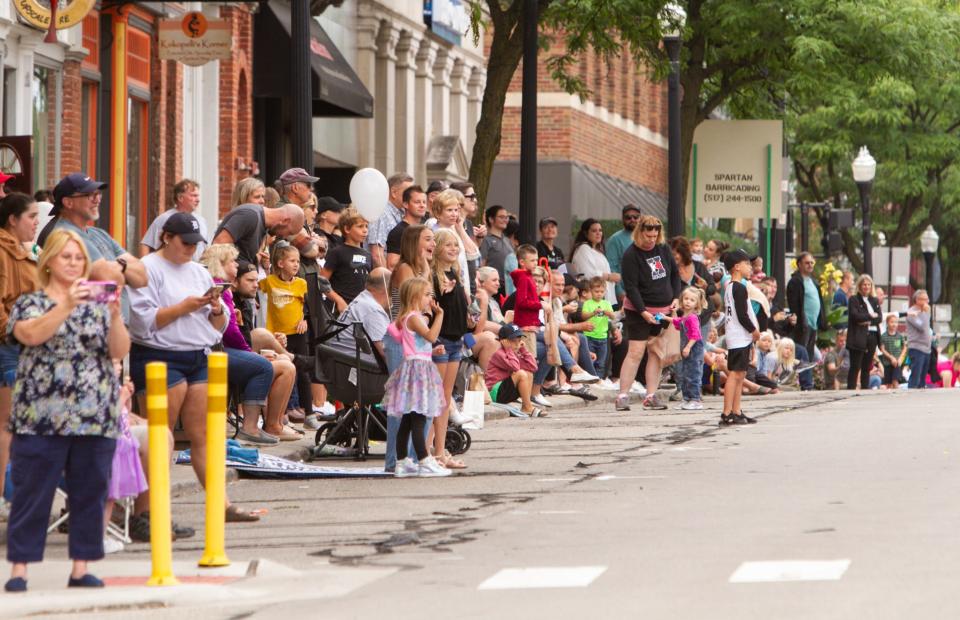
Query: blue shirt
pixel 811 302
pixel 615 246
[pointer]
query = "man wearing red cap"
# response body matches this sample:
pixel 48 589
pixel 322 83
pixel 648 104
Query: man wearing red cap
pixel 4 178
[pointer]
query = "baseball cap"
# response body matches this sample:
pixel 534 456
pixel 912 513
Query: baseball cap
pixel 548 220
pixel 328 203
pixel 733 257
pixel 510 331
pixel 4 177
pixel 184 226
pixel 72 184
pixel 630 207
pixel 244 267
pixel 297 175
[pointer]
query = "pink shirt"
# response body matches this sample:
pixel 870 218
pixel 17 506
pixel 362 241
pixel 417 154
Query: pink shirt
pixel 692 323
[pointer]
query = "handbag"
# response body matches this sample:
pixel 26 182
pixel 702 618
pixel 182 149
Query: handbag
pixel 472 414
pixel 666 346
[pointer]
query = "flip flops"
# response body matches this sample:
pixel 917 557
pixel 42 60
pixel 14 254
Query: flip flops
pixel 235 514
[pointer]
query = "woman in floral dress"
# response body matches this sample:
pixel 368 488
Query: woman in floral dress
pixel 64 420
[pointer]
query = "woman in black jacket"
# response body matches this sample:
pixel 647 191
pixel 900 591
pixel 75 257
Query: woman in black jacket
pixel 651 282
pixel 863 334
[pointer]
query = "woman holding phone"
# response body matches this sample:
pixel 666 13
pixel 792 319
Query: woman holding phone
pixel 177 318
pixel 67 427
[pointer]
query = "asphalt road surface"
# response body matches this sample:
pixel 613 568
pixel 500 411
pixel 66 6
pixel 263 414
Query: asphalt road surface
pixel 834 506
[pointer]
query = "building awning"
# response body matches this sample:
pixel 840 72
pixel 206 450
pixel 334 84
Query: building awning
pixel 336 88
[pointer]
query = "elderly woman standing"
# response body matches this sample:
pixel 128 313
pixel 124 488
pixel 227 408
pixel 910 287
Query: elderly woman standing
pixel 18 276
pixel 919 339
pixel 651 281
pixel 66 427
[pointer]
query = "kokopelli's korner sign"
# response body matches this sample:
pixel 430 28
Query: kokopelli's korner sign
pixel 735 170
pixel 195 40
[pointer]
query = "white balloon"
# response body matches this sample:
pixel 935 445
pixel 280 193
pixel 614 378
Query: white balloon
pixel 369 193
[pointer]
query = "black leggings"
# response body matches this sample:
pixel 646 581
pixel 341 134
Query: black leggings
pixel 412 424
pixel 299 344
pixel 862 361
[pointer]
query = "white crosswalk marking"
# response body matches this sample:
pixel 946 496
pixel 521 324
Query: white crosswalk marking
pixel 790 570
pixel 543 577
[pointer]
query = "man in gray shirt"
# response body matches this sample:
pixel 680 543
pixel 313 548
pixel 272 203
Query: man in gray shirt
pixel 369 308
pixel 494 248
pixel 186 199
pixel 919 340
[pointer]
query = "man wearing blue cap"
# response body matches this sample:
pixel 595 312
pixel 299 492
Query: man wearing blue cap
pixel 509 373
pixel 76 206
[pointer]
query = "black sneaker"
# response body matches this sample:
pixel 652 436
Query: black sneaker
pixel 745 419
pixel 726 420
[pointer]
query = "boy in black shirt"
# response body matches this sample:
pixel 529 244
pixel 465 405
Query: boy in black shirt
pixel 347 265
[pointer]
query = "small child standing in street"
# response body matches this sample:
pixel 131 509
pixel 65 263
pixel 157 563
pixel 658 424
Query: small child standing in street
pixel 414 392
pixel 598 311
pixel 893 351
pixel 742 332
pixel 693 301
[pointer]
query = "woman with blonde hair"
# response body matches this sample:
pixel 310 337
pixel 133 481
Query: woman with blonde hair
pixel 864 317
pixel 250 190
pixel 448 212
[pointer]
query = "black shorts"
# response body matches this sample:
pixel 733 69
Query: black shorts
pixel 738 360
pixel 891 373
pixel 507 392
pixel 637 328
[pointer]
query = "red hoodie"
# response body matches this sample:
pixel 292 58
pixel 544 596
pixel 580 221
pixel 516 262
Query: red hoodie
pixel 526 307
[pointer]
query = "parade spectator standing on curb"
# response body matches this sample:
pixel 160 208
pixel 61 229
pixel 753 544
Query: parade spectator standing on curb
pixel 893 351
pixel 414 210
pixel 803 299
pixel 741 333
pixel 495 247
pixel 619 241
pixel 76 205
pixel 328 220
pixel 376 241
pixel 347 266
pixel 588 258
pixel 651 285
pixel 599 312
pixel 416 253
pixel 296 186
pixel 19 217
pixel 186 199
pixel 177 318
pixel 546 247
pixel 919 339
pixel 68 427
pixel 247 226
pixel 863 336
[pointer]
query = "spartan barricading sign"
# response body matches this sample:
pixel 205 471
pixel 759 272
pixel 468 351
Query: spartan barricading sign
pixel 195 40
pixel 735 170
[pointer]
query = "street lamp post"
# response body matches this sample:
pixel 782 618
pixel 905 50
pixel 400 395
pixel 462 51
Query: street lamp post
pixel 929 242
pixel 672 19
pixel 864 169
pixel 528 124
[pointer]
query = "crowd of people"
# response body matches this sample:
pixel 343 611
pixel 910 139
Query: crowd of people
pixel 433 291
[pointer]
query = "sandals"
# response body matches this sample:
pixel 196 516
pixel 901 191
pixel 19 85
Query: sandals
pixel 762 390
pixel 584 393
pixel 446 459
pixel 235 514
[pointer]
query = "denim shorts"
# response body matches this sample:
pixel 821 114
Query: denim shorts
pixel 189 366
pixel 9 356
pixel 452 350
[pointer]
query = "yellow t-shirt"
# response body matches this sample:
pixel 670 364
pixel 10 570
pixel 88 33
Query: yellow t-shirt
pixel 284 303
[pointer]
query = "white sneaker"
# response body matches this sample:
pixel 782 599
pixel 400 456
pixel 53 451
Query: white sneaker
pixel 638 389
pixel 405 468
pixel 692 405
pixel 328 408
pixel 430 468
pixel 111 545
pixel 607 384
pixel 583 377
pixel 540 400
pixel 311 422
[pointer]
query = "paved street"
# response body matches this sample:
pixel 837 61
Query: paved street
pixel 591 513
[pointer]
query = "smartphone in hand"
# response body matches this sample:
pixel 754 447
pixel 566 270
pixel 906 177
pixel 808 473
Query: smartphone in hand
pixel 102 292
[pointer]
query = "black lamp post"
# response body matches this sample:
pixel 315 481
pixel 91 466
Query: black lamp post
pixel 864 169
pixel 528 125
pixel 672 19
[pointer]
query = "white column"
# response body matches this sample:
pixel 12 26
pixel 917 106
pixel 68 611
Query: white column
pixel 367 28
pixel 406 103
pixel 22 112
pixel 441 92
pixel 423 113
pixel 384 99
pixel 458 100
pixel 478 80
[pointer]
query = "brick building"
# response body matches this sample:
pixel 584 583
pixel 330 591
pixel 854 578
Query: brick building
pixel 99 100
pixel 593 156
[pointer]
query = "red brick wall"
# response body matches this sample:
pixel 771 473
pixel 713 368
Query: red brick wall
pixel 236 105
pixel 72 118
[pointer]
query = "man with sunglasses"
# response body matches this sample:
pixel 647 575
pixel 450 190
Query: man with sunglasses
pixel 619 241
pixel 76 207
pixel 470 206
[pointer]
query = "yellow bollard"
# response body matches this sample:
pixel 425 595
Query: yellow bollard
pixel 215 553
pixel 161 544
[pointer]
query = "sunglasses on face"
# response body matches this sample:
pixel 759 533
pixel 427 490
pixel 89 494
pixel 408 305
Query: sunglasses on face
pixel 631 217
pixel 471 197
pixel 656 227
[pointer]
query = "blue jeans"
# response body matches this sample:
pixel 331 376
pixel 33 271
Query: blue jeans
pixel 252 373
pixel 919 361
pixel 805 378
pixel 543 369
pixel 583 353
pixel 691 370
pixel 393 352
pixel 9 358
pixel 598 346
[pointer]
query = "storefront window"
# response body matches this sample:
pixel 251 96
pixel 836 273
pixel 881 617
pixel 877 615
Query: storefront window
pixel 137 136
pixel 42 90
pixel 88 128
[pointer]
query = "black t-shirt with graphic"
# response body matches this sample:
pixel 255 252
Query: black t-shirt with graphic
pixel 348 267
pixel 650 277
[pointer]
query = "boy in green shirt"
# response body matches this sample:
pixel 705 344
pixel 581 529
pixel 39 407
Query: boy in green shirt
pixel 598 311
pixel 892 352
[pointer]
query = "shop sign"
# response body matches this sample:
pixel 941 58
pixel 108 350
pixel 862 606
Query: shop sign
pixel 69 13
pixel 446 18
pixel 735 170
pixel 195 40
